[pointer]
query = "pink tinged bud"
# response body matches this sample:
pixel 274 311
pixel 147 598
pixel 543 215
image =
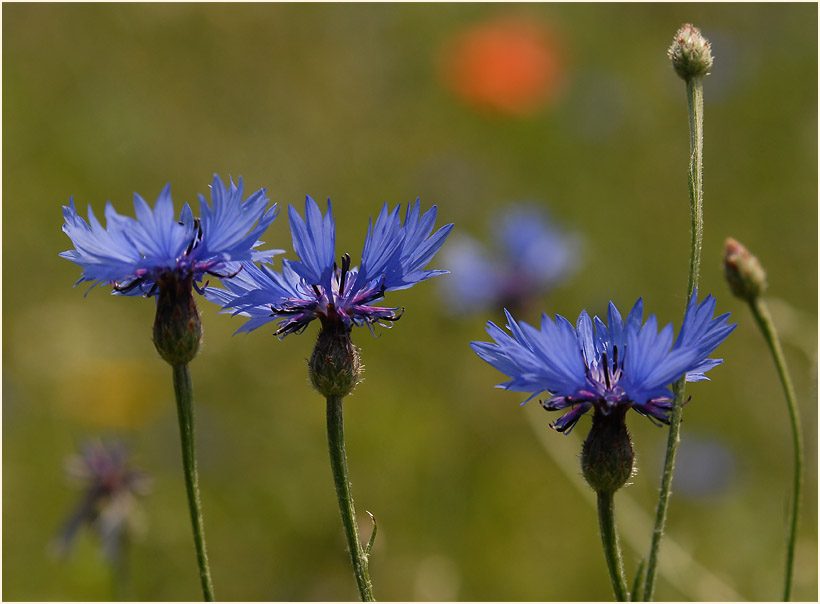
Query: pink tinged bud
pixel 690 53
pixel 745 276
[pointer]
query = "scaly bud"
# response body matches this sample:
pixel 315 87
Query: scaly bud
pixel 177 327
pixel 746 277
pixel 334 366
pixel 691 53
pixel 607 457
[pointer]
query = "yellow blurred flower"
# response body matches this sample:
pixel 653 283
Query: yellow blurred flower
pixel 114 393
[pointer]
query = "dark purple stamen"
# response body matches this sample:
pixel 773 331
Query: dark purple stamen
pixel 345 269
pixel 220 276
pixel 197 236
pixel 135 283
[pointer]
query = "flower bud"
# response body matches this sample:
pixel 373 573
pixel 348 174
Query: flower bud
pixel 177 327
pixel 745 276
pixel 691 53
pixel 334 366
pixel 607 457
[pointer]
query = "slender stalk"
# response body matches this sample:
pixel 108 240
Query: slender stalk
pixel 612 549
pixel 637 586
pixel 118 564
pixel 764 321
pixel 184 392
pixel 694 93
pixel 338 465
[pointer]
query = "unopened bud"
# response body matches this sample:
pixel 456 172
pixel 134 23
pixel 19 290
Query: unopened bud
pixel 745 276
pixel 177 327
pixel 691 53
pixel 334 366
pixel 607 457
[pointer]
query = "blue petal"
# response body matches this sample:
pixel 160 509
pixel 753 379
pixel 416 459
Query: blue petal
pixel 651 365
pixel 537 361
pixel 228 232
pixel 314 241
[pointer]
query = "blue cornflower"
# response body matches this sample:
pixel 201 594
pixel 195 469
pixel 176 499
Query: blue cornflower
pixel 393 258
pixel 531 255
pixel 608 367
pixel 134 255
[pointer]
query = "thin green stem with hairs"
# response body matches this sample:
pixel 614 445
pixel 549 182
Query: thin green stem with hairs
pixel 694 93
pixel 612 549
pixel 183 389
pixel 338 465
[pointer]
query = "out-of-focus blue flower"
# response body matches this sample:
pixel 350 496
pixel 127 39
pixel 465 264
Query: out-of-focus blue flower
pixel 531 255
pixel 705 467
pixel 394 257
pixel 606 366
pixel 132 254
pixel 110 487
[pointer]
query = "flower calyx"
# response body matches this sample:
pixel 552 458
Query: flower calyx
pixel 607 457
pixel 335 366
pixel 177 327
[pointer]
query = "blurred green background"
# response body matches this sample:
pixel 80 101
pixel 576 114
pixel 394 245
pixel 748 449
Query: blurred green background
pixel 476 498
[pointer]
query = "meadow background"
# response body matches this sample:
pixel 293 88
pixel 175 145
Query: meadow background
pixel 476 498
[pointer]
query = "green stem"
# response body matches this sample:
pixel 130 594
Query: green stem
pixel 637 586
pixel 338 465
pixel 694 94
pixel 612 549
pixel 184 392
pixel 118 564
pixel 764 321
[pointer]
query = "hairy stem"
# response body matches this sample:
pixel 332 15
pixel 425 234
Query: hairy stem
pixel 183 389
pixel 338 465
pixel 694 93
pixel 612 549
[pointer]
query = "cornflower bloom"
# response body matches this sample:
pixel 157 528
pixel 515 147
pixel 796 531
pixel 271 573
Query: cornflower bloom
pixel 134 256
pixel 341 297
pixel 110 488
pixel 160 255
pixel 607 368
pixel 393 258
pixel 531 255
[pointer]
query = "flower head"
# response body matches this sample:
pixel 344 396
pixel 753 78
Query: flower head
pixel 690 53
pixel 133 255
pixel 607 367
pixel 393 258
pixel 110 487
pixel 532 254
pixel 743 271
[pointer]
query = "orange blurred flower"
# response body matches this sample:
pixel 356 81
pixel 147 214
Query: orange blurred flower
pixel 509 65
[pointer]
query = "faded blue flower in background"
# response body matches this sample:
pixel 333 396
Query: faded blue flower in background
pixel 706 466
pixel 132 255
pixel 607 367
pixel 531 255
pixel 110 488
pixel 393 258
